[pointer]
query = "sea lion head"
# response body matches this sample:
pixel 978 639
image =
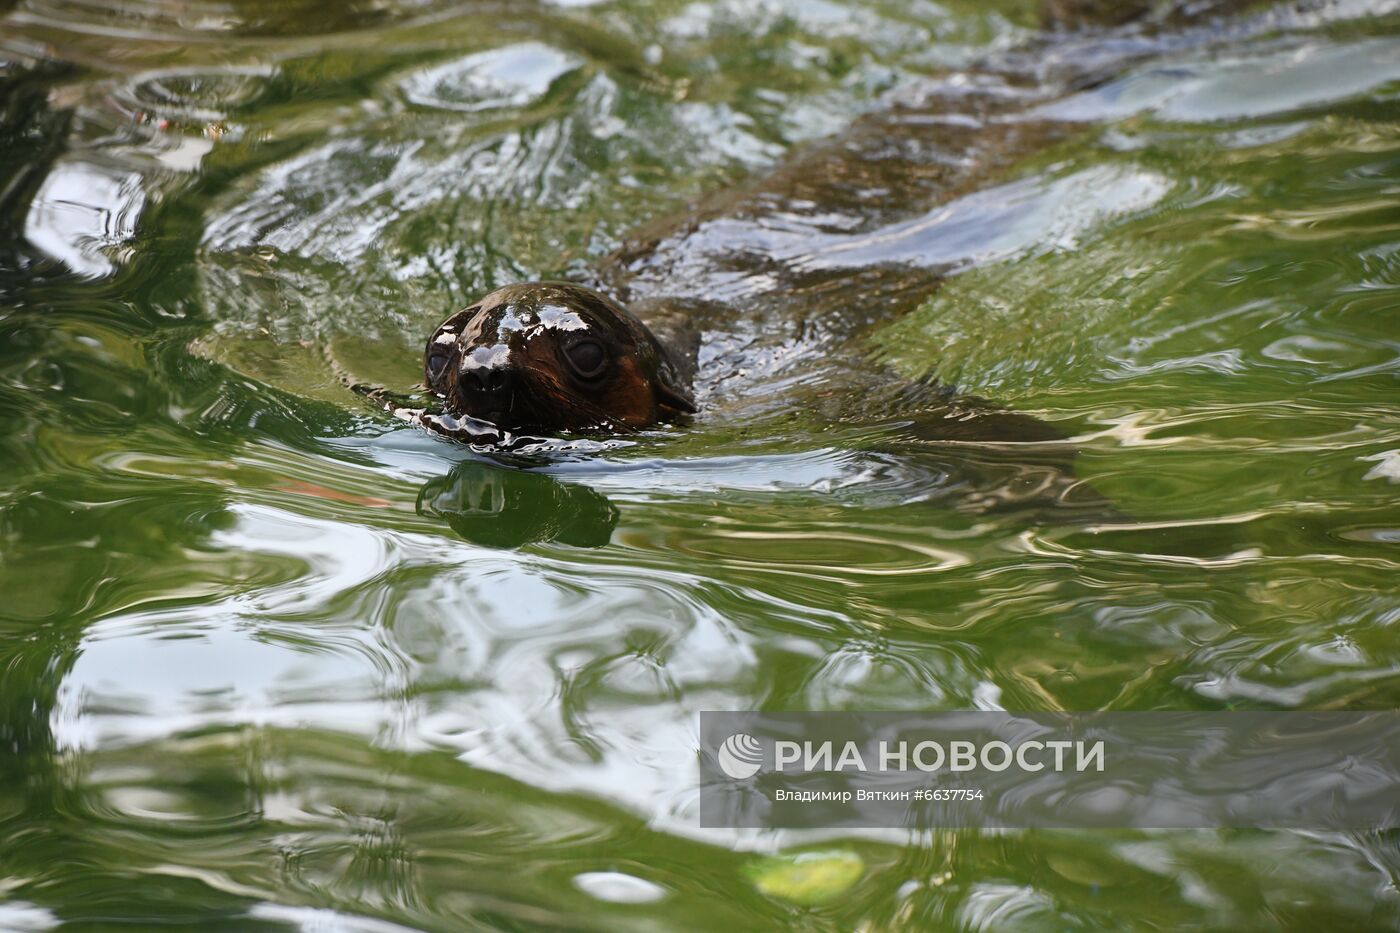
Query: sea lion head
pixel 549 357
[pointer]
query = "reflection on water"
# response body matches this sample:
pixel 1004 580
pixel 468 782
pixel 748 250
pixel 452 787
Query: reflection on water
pixel 507 508
pixel 270 659
pixel 513 77
pixel 1273 81
pixel 82 210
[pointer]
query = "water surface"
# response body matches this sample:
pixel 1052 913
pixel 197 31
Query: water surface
pixel 271 660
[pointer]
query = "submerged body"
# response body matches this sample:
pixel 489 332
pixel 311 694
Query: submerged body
pixel 843 236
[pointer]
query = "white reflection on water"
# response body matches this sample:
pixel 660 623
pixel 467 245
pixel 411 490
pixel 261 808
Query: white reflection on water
pixel 518 664
pixel 82 210
pixel 21 916
pixel 512 76
pixel 1038 213
pixel 322 920
pixel 1246 86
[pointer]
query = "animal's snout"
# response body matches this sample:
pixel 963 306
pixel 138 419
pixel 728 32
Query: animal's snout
pixel 482 379
pixel 486 384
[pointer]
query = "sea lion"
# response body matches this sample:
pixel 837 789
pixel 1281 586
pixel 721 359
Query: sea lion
pixel 844 235
pixel 793 266
pixel 553 357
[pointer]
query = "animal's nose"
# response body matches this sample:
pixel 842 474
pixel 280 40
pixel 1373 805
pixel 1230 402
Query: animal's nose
pixel 485 380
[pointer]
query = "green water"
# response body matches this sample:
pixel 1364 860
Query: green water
pixel 270 661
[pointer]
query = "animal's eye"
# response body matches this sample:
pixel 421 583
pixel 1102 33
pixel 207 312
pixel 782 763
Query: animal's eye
pixel 437 362
pixel 588 358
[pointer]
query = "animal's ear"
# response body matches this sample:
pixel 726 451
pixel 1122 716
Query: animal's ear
pixel 670 394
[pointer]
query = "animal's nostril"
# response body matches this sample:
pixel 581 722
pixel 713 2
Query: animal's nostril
pixel 486 379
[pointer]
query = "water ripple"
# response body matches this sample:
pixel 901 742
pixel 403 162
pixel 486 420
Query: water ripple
pixel 269 659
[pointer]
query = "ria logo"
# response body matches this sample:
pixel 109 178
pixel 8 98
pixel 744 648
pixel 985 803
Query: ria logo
pixel 740 756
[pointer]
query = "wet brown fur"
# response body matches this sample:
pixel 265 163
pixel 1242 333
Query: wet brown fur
pixel 638 387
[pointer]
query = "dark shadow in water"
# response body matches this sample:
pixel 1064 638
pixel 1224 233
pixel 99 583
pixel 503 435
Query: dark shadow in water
pixel 500 507
pixel 34 654
pixel 31 136
pixel 978 457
